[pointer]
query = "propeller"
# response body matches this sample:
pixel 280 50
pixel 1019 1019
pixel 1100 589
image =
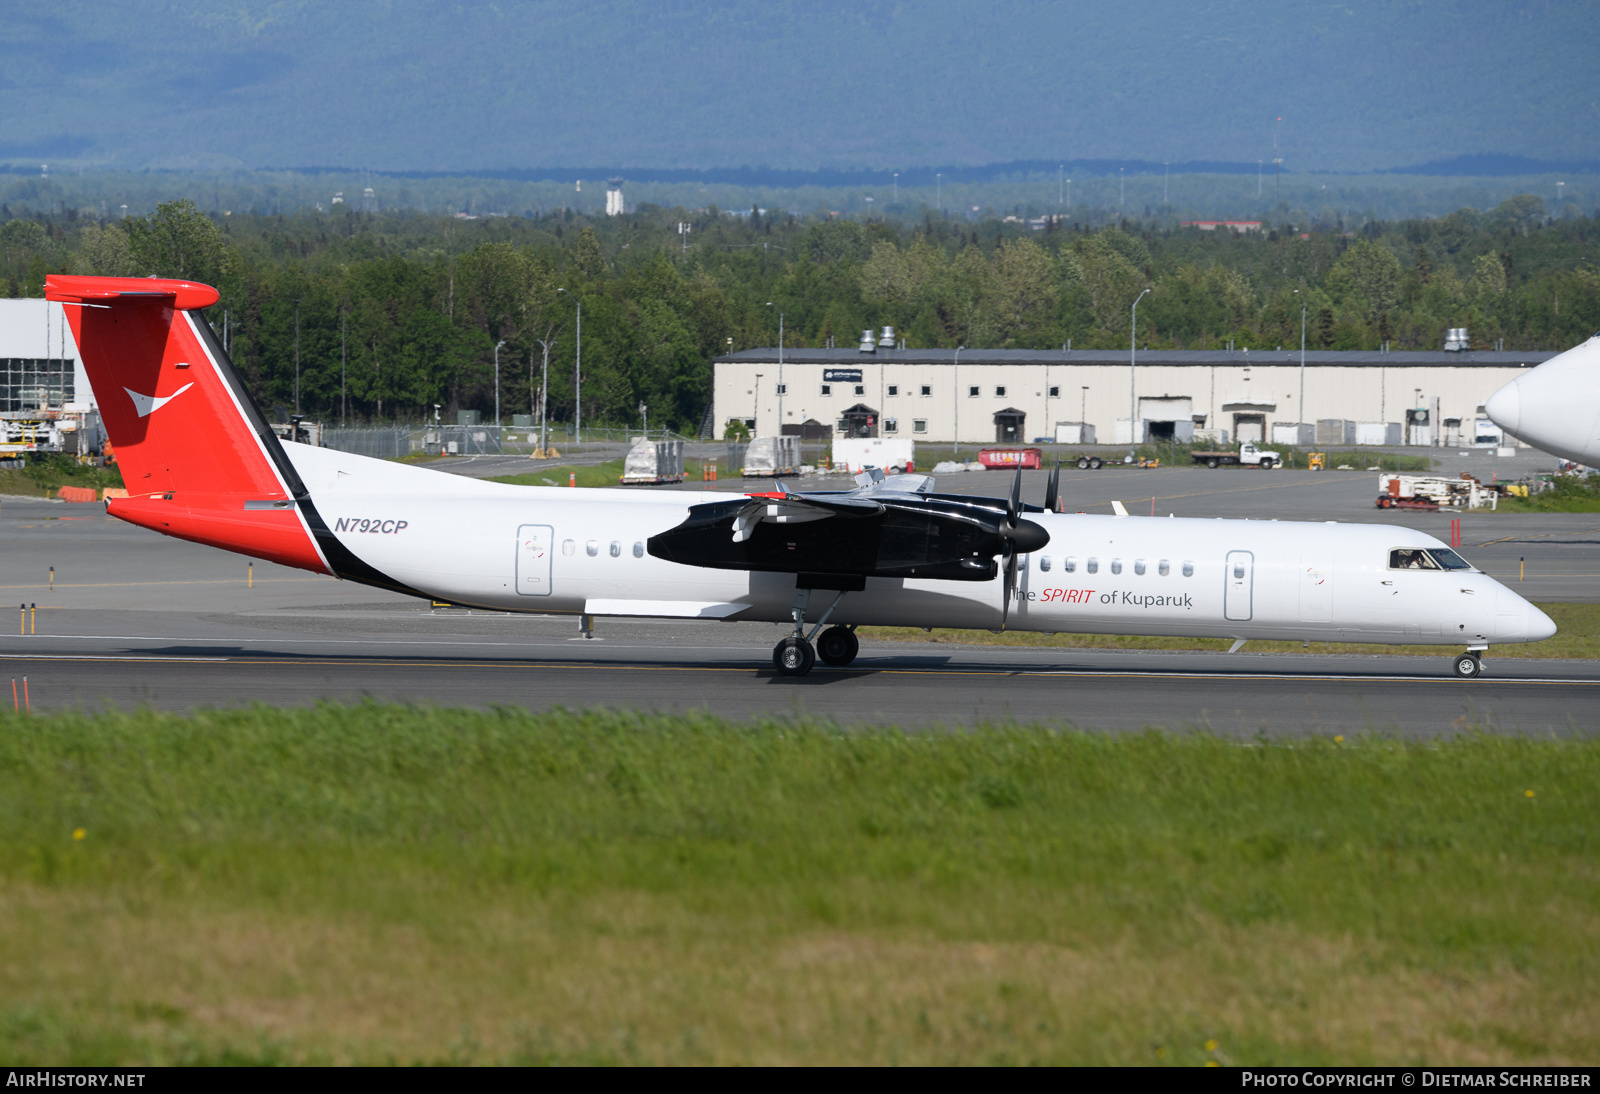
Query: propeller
pixel 1008 535
pixel 1052 491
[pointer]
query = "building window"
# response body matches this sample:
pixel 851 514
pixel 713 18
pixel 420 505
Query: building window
pixel 1116 565
pixel 972 392
pixel 1138 566
pixel 616 548
pixel 1055 391
pixel 638 548
pixel 1188 568
pixel 783 389
pixel 1069 564
pixel 593 547
pixel 861 389
pixel 894 389
pixel 1044 564
pixel 919 425
pixel 827 389
pixel 1000 391
pixel 33 383
pixel 890 425
pixel 927 389
pixel 1092 566
pixel 1164 568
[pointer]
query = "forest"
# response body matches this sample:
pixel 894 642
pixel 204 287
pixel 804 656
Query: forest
pixel 384 315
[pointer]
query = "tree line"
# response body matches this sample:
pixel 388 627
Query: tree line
pixel 387 315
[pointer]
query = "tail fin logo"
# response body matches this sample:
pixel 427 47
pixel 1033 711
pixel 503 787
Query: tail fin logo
pixel 149 404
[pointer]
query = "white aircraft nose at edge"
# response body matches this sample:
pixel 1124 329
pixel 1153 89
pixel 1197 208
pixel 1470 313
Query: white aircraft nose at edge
pixel 1556 407
pixel 893 552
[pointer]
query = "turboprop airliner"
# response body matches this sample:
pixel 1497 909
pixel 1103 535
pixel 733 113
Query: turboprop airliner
pixel 1556 407
pixel 201 463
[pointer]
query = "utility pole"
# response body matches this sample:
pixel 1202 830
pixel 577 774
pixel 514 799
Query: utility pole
pixel 938 193
pixel 957 374
pixel 577 369
pixel 344 367
pixel 1061 186
pixel 1133 351
pixel 297 356
pixel 1166 176
pixel 897 188
pixel 497 346
pixel 770 304
pixel 1303 360
pixel 1083 410
pixel 1122 192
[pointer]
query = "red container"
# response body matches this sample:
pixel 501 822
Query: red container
pixel 1007 458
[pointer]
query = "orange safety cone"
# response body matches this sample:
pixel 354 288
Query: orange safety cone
pixel 572 478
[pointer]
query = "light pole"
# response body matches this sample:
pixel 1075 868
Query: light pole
pixel 497 390
pixel 344 362
pixel 897 188
pixel 1303 360
pixel 770 304
pixel 1133 353
pixel 577 372
pixel 296 359
pixel 755 406
pixel 938 193
pixel 957 374
pixel 1083 405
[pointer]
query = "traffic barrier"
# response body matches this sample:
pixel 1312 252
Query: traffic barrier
pixel 77 493
pixel 112 492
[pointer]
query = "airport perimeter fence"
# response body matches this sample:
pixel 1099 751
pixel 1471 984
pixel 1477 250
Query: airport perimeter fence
pixel 391 442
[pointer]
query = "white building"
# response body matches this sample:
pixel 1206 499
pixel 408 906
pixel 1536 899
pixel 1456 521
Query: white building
pixel 614 207
pixel 990 396
pixel 40 368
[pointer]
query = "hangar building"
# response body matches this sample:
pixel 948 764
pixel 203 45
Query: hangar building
pixel 1083 396
pixel 40 368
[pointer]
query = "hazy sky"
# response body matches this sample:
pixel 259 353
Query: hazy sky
pixel 414 85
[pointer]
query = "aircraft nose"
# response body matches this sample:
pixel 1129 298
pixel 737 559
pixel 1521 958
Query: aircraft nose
pixel 1535 624
pixel 1505 407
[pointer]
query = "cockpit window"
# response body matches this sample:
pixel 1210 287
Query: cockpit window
pixel 1436 558
pixel 1411 558
pixel 1449 560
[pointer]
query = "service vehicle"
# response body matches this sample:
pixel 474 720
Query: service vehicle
pixel 1248 455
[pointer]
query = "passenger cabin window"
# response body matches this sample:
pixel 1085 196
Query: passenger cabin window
pixel 616 548
pixel 593 547
pixel 1092 566
pixel 1238 569
pixel 1069 564
pixel 1163 567
pixel 1188 568
pixel 1116 565
pixel 1044 564
pixel 568 547
pixel 638 549
pixel 1138 566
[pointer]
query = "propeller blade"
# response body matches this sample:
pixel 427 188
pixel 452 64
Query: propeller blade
pixel 1052 490
pixel 1014 502
pixel 1010 583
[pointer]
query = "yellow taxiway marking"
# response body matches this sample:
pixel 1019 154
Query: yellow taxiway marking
pixel 1176 674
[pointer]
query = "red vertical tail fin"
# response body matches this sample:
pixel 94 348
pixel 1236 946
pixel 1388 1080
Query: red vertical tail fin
pixel 198 459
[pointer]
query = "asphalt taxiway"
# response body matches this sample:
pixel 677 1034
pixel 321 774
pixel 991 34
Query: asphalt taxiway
pixel 137 619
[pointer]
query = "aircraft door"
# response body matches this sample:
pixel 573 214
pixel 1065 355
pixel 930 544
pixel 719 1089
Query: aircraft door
pixel 535 548
pixel 1239 588
pixel 1316 587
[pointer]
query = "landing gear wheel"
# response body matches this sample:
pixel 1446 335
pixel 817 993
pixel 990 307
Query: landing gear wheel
pixel 1083 463
pixel 1094 463
pixel 793 657
pixel 838 646
pixel 1212 463
pixel 1467 666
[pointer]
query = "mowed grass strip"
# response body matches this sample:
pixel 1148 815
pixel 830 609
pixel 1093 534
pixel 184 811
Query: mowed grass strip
pixel 1578 636
pixel 378 884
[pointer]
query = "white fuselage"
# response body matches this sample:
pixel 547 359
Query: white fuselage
pixel 541 549
pixel 1556 407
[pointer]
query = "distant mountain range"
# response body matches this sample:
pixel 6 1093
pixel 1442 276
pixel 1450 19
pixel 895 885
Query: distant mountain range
pixel 826 92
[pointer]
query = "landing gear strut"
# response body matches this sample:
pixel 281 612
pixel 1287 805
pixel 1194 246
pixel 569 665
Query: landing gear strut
pixel 1468 666
pixel 795 655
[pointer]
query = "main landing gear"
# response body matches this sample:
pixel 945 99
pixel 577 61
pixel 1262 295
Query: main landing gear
pixel 795 655
pixel 1470 665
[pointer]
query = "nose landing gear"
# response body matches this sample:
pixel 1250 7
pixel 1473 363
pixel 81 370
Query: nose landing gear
pixel 1469 665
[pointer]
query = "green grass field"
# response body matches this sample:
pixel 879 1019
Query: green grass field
pixel 1570 494
pixel 45 475
pixel 378 884
pixel 1578 637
